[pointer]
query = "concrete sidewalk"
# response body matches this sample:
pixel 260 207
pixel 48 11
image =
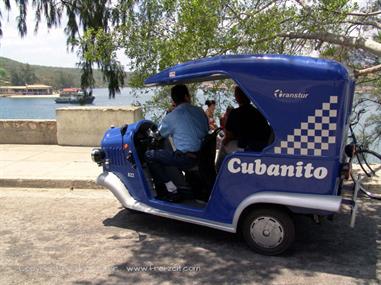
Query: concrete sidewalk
pixel 53 166
pixel 47 166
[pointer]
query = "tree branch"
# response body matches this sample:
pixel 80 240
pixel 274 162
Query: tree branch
pixel 367 80
pixel 301 3
pixel 368 70
pixel 373 24
pixel 358 14
pixel 352 42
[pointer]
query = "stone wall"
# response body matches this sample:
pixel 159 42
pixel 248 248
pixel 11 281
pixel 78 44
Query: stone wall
pixel 28 132
pixel 85 126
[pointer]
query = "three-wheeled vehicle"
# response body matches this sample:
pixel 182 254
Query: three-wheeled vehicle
pixel 306 101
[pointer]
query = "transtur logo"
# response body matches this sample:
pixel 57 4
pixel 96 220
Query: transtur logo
pixel 278 93
pixel 257 167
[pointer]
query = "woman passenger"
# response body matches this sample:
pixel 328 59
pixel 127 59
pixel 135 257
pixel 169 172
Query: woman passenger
pixel 211 107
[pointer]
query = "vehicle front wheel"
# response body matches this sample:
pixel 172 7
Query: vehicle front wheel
pixel 131 211
pixel 268 231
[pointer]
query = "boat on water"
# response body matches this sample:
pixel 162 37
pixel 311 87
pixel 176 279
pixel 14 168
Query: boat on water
pixel 75 96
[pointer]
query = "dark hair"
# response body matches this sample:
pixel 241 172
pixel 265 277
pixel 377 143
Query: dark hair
pixel 178 93
pixel 240 96
pixel 210 102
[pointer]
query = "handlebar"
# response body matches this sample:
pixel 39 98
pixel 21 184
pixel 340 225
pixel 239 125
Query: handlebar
pixel 152 139
pixel 155 134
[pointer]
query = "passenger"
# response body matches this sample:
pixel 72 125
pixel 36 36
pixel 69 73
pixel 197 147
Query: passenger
pixel 211 107
pixel 225 116
pixel 223 120
pixel 187 125
pixel 245 128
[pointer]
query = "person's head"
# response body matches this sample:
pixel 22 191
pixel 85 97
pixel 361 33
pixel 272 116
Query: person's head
pixel 180 94
pixel 241 98
pixel 211 105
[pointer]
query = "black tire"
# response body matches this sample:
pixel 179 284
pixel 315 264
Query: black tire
pixel 274 233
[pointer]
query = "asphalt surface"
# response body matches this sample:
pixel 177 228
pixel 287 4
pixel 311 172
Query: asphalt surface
pixel 56 236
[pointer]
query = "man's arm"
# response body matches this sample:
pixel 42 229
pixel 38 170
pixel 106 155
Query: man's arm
pixel 165 127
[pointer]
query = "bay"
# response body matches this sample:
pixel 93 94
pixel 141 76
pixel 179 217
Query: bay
pixel 45 108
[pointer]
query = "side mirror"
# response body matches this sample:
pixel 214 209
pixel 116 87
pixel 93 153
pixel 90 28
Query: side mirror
pixel 123 130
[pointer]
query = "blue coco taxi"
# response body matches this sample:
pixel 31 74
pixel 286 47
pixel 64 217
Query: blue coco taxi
pixel 306 101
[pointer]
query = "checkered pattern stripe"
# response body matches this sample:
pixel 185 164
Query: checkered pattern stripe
pixel 314 136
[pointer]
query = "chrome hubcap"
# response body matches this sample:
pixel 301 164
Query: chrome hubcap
pixel 266 232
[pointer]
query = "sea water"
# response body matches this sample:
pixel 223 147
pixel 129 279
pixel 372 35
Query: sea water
pixel 45 108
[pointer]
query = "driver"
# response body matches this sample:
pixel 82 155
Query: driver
pixel 187 125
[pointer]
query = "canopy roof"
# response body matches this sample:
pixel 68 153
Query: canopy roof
pixel 295 94
pixel 236 66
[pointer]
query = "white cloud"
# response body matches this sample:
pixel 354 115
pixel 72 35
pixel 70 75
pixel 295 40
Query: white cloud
pixel 46 47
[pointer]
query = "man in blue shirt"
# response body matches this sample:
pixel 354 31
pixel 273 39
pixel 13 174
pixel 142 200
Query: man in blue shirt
pixel 187 125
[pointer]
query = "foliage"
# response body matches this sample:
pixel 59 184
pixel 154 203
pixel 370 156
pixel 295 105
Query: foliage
pixel 25 75
pixel 82 15
pixel 64 80
pixel 159 33
pixel 57 77
pixel 367 107
pixel 3 75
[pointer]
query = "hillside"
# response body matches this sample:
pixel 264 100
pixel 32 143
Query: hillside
pixel 16 73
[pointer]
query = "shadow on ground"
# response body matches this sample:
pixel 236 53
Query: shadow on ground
pixel 331 248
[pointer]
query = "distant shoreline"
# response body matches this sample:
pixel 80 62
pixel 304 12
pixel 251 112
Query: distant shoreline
pixel 56 95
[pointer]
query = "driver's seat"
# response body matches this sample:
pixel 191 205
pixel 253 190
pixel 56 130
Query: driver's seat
pixel 202 177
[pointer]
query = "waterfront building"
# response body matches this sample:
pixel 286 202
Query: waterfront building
pixel 35 89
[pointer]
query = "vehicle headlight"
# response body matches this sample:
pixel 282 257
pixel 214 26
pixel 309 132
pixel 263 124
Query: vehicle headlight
pixel 98 156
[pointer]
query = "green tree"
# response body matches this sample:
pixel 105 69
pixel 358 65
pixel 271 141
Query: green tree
pixel 23 76
pixel 159 33
pixel 83 16
pixel 16 78
pixel 28 75
pixel 64 80
pixel 3 75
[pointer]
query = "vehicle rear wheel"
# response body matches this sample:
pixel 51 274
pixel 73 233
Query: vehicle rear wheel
pixel 268 231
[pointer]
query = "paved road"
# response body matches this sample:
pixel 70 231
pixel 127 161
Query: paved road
pixel 85 237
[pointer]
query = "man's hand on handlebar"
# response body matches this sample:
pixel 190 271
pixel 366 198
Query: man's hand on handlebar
pixel 154 138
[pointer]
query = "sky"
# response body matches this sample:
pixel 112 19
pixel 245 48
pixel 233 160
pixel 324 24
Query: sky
pixel 47 47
